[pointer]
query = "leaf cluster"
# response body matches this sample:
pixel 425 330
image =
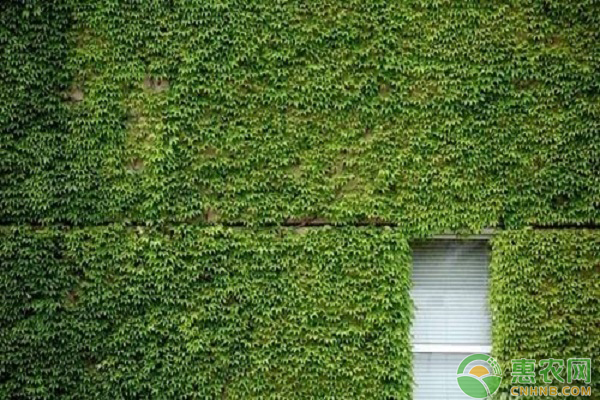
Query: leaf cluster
pixel 545 298
pixel 435 115
pixel 204 313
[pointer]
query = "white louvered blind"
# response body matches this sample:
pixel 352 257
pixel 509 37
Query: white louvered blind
pixel 435 376
pixel 452 320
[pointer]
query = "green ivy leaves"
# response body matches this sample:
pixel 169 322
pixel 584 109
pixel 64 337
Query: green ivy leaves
pixel 545 296
pixel 204 312
pixel 436 116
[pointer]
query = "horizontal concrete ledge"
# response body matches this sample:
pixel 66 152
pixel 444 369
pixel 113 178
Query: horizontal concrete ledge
pixel 485 234
pixel 315 223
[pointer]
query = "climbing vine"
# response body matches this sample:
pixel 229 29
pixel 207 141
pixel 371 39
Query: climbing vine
pixel 204 313
pixel 434 115
pixel 152 151
pixel 545 298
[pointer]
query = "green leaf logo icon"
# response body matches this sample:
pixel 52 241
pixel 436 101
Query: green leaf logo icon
pixel 479 376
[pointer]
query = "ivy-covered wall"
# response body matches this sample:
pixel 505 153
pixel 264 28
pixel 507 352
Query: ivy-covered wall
pixel 545 298
pixel 150 151
pixel 432 114
pixel 204 313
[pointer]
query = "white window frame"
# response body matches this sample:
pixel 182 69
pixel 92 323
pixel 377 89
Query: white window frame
pixel 485 235
pixel 451 348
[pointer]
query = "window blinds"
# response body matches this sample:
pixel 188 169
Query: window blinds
pixel 435 376
pixel 452 320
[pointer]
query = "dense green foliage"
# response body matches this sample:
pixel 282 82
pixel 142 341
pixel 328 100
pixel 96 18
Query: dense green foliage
pixel 115 313
pixel 434 114
pixel 545 298
pixel 126 127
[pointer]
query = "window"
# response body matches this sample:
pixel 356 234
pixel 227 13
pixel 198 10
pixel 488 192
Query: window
pixel 452 320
